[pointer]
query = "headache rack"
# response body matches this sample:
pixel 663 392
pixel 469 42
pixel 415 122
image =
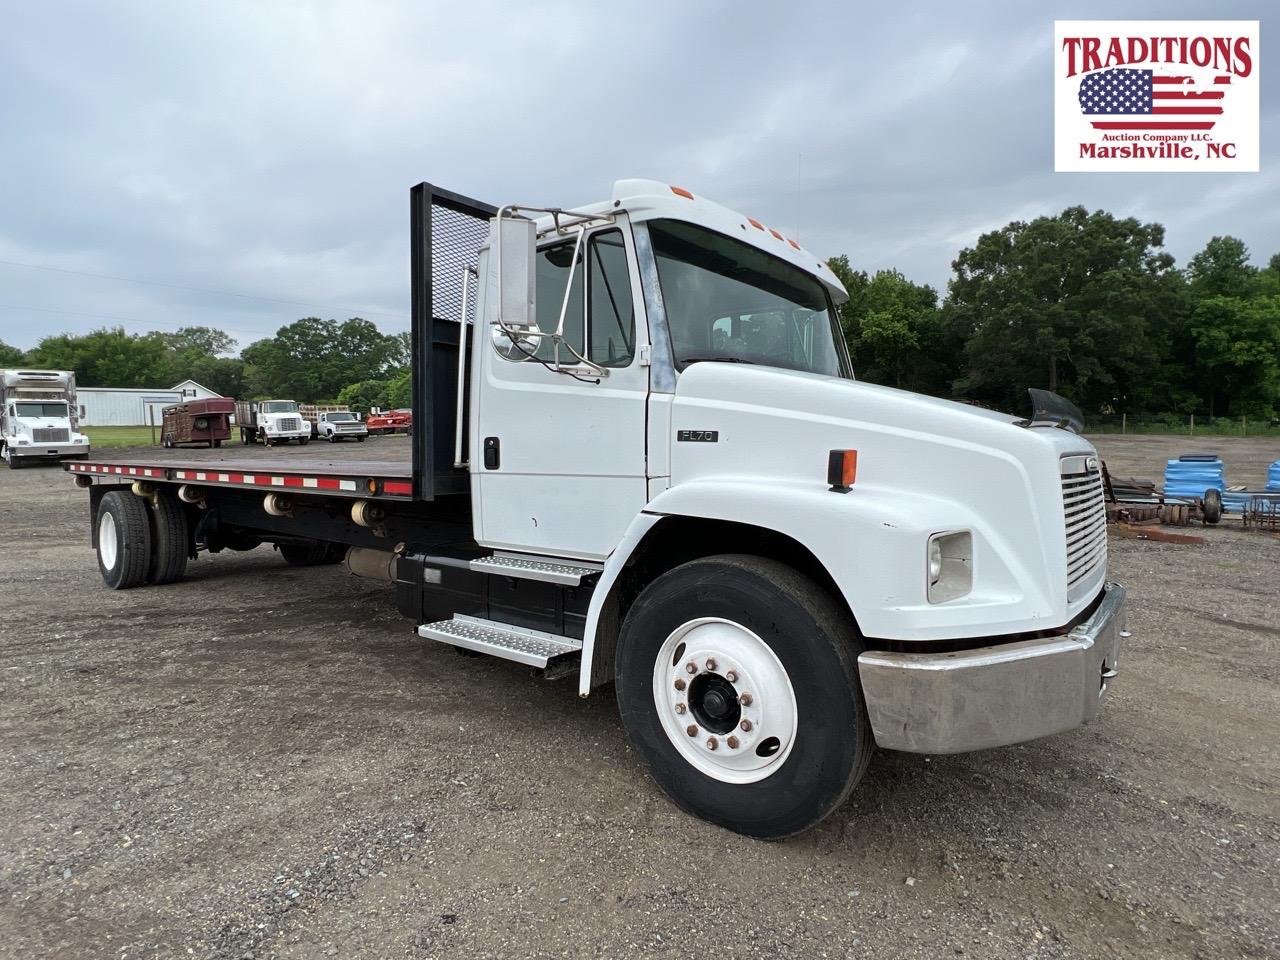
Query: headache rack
pixel 447 231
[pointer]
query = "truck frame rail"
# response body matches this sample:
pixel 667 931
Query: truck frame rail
pixel 379 479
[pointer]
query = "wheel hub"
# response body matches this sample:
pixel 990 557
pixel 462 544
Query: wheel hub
pixel 725 700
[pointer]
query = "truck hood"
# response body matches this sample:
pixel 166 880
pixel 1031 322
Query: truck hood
pixel 924 466
pixel 27 424
pixel 873 408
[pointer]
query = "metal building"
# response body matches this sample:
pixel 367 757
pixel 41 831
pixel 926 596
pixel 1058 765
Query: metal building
pixel 133 406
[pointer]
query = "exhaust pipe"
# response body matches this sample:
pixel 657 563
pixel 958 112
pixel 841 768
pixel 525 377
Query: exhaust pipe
pixel 190 494
pixel 370 563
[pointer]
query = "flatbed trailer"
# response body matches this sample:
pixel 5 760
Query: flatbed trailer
pixel 640 458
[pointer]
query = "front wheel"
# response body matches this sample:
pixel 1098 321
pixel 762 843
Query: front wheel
pixel 737 683
pixel 303 441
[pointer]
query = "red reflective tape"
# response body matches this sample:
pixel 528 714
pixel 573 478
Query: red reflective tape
pixel 397 487
pixel 293 481
pixel 261 481
pixel 235 478
pixel 327 483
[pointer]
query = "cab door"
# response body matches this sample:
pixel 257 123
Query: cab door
pixel 558 448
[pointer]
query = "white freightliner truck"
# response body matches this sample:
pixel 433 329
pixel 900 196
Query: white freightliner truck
pixel 642 458
pixel 38 417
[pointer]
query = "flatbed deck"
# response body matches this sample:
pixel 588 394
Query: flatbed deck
pixel 388 479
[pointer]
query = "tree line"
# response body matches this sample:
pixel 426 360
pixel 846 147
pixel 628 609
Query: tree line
pixel 1088 305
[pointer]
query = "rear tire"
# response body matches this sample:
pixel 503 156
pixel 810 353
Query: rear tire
pixel 124 540
pixel 168 539
pixel 1211 508
pixel 806 741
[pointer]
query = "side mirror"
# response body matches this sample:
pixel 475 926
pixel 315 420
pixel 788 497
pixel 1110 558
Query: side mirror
pixel 514 241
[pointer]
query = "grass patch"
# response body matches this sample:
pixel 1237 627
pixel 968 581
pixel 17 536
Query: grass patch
pixel 120 436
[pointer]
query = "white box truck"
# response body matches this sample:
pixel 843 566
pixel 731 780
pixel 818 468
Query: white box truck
pixel 643 460
pixel 38 417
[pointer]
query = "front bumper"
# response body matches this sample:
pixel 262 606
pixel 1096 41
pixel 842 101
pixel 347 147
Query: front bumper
pixel 49 451
pixel 993 696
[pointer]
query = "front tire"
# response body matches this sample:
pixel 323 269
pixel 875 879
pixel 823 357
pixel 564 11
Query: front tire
pixel 124 540
pixel 780 732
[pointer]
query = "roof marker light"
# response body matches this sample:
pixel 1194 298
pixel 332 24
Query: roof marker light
pixel 682 192
pixel 794 244
pixel 755 223
pixel 776 233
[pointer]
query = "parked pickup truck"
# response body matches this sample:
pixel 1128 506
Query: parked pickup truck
pixel 333 422
pixel 271 422
pixel 642 460
pixel 38 417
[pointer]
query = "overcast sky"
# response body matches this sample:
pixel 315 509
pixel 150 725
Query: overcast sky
pixel 266 149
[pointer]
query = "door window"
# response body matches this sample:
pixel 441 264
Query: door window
pixel 600 326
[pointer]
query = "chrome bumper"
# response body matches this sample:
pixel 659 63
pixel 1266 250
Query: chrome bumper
pixel 993 696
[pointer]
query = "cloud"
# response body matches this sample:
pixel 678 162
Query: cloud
pixel 267 149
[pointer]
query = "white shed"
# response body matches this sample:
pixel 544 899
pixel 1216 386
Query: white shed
pixel 134 406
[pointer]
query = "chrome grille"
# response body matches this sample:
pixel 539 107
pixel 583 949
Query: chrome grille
pixel 289 423
pixel 1085 517
pixel 50 434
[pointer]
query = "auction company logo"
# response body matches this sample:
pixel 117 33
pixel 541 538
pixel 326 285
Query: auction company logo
pixel 1156 95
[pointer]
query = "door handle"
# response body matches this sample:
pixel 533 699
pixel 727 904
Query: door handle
pixel 492 453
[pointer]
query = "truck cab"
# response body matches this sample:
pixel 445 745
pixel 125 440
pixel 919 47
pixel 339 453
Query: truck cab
pixel 37 417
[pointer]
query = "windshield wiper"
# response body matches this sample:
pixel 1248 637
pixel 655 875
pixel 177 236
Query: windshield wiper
pixel 689 360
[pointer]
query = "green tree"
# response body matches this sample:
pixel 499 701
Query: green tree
pixel 205 341
pixel 365 395
pixel 106 358
pixel 10 356
pixel 1066 303
pixel 312 359
pixel 1222 269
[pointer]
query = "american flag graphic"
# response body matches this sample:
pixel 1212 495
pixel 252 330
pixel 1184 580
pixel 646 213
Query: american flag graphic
pixel 1146 100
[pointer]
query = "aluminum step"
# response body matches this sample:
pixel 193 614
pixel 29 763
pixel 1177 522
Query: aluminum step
pixel 537 649
pixel 568 573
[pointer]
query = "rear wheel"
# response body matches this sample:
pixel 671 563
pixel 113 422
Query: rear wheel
pixel 1211 508
pixel 168 539
pixel 124 540
pixel 737 683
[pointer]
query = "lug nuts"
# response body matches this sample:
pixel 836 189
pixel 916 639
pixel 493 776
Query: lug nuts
pixel 745 725
pixel 712 743
pixel 731 677
pixel 745 699
pixel 733 743
pixel 691 730
pixel 680 708
pixel 680 684
pixel 711 663
pixel 691 667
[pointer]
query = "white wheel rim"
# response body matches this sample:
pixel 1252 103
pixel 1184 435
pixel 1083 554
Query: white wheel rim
pixel 108 543
pixel 726 658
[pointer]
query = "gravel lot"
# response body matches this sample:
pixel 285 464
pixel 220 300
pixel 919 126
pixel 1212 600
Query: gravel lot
pixel 265 762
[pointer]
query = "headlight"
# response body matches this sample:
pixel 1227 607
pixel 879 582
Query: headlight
pixel 950 565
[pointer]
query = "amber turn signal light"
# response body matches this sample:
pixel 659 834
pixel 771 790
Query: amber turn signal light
pixel 842 469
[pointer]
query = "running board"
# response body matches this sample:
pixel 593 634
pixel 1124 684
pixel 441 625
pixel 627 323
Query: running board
pixel 567 573
pixel 533 647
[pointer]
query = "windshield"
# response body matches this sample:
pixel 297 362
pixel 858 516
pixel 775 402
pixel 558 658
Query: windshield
pixel 279 406
pixel 728 301
pixel 338 417
pixel 31 408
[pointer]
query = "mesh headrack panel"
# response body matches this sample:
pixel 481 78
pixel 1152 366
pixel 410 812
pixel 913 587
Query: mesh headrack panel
pixel 446 233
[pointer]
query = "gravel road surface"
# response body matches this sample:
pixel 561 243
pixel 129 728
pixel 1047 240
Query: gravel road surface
pixel 264 761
